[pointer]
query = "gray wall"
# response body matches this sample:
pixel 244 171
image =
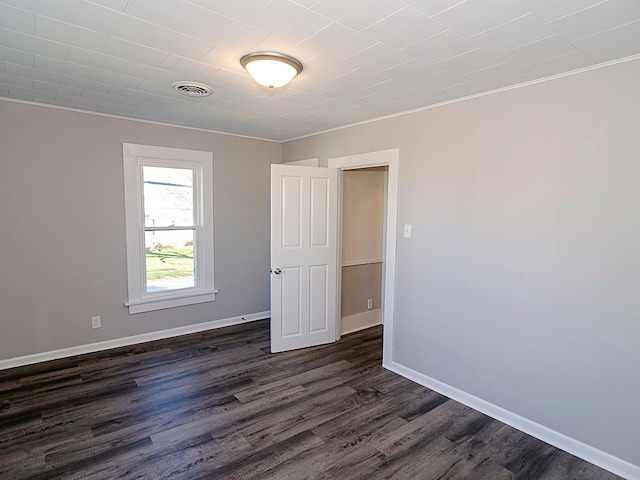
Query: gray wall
pixel 359 284
pixel 520 284
pixel 62 240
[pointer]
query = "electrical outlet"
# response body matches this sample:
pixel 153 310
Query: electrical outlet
pixel 370 304
pixel 95 322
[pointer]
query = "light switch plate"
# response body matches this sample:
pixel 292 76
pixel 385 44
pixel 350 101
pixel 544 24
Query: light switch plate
pixel 407 230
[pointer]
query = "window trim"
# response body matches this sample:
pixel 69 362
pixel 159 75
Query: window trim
pixel 134 158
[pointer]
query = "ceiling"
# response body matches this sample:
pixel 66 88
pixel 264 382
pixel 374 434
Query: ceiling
pixel 363 59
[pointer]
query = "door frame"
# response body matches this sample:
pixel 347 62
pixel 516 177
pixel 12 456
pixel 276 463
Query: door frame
pixel 391 159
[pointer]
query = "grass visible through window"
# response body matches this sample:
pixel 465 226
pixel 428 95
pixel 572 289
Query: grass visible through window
pixel 170 262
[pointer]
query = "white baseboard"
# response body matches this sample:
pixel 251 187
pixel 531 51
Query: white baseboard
pixel 360 321
pixel 582 450
pixel 126 341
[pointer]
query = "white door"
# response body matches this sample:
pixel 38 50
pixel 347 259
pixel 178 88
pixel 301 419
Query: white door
pixel 304 226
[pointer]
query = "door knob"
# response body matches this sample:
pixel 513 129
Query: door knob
pixel 277 271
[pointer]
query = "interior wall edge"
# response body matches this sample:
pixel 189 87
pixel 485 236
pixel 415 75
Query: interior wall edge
pixel 132 119
pixel 495 91
pixel 132 340
pixel 575 447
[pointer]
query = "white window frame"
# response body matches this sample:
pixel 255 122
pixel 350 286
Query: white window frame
pixel 134 158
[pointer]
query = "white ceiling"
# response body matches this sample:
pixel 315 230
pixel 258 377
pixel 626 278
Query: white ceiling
pixel 362 59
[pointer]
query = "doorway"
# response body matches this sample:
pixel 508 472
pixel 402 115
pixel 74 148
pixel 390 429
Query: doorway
pixel 363 215
pixel 391 160
pixel 306 291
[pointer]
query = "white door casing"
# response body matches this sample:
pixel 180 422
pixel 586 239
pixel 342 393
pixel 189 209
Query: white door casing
pixel 390 158
pixel 304 225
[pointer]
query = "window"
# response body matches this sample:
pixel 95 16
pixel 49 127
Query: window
pixel 169 219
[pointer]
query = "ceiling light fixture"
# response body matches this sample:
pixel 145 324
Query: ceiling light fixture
pixel 271 69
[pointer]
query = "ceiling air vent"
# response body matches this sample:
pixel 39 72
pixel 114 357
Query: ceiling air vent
pixel 192 89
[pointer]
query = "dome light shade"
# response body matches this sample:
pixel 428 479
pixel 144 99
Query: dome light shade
pixel 271 69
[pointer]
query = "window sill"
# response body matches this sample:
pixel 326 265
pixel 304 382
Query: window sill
pixel 160 303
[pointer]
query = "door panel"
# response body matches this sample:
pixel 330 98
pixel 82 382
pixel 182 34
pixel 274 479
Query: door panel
pixel 319 211
pixel 304 213
pixel 291 207
pixel 291 294
pixel 318 298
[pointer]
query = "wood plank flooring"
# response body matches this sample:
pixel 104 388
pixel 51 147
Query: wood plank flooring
pixel 218 405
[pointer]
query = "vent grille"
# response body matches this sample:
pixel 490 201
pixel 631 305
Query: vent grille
pixel 192 89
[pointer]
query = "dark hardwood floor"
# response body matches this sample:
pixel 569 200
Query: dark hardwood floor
pixel 218 405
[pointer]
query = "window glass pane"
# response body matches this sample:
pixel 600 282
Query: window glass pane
pixel 169 260
pixel 168 196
